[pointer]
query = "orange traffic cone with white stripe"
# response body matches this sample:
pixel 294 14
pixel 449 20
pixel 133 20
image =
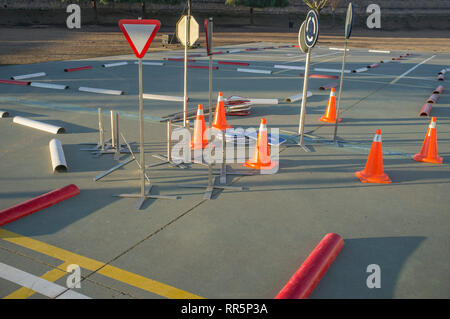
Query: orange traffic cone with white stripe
pixel 373 172
pixel 429 151
pixel 220 121
pixel 198 140
pixel 330 113
pixel 261 155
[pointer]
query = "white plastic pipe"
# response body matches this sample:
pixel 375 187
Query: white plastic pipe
pixel 263 101
pixel 38 125
pixel 151 63
pixel 360 70
pixel 49 86
pixel 331 70
pixel 59 163
pixel 234 51
pixel 289 67
pixel 110 65
pixel 101 91
pixel 3 114
pixel 164 97
pixel 339 49
pixel 254 71
pixel 28 76
pixel 385 61
pixel 379 51
pixel 443 71
pixel 298 97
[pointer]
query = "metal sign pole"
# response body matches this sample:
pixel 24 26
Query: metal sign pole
pixel 141 129
pixel 101 142
pixel 340 93
pixel 210 166
pixel 303 105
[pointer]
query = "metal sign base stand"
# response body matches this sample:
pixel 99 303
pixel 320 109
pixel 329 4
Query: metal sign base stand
pixel 210 188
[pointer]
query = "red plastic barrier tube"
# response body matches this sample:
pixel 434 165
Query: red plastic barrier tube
pixel 426 109
pixel 251 49
pixel 295 46
pixel 268 48
pixel 373 65
pixel 233 63
pixel 303 282
pixel 15 82
pixel 88 67
pixel 328 87
pixel 33 205
pixel 202 67
pixel 218 52
pixel 433 98
pixel 321 76
pixel 438 90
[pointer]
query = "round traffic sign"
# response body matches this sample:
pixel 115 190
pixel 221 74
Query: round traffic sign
pixel 301 38
pixel 349 21
pixel 311 28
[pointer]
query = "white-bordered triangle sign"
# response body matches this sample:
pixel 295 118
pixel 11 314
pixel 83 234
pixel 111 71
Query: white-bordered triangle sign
pixel 139 34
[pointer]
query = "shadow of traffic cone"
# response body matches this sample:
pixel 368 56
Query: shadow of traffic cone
pixel 373 172
pixel 330 113
pixel 198 140
pixel 220 121
pixel 261 155
pixel 429 151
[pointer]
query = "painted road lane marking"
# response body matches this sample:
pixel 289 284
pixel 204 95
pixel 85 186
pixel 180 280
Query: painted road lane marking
pixel 42 286
pixel 412 69
pixel 115 273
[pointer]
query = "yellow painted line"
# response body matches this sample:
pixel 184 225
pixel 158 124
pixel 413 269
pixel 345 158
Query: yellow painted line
pixel 52 275
pixel 94 265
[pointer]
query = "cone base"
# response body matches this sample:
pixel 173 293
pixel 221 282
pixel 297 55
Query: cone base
pixel 262 166
pixel 327 120
pixel 221 128
pixel 421 158
pixel 379 179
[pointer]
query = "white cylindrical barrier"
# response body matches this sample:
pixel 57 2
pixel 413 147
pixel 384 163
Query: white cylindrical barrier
pixel 110 65
pixel 234 51
pixel 289 67
pixel 331 70
pixel 443 71
pixel 57 157
pixel 263 101
pixel 49 86
pixel 360 70
pixel 254 71
pixel 3 114
pixel 101 91
pixel 385 61
pixel 28 76
pixel 379 51
pixel 38 125
pixel 339 49
pixel 151 63
pixel 297 97
pixel 163 97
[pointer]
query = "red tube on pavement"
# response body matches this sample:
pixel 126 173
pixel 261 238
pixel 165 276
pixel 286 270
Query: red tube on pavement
pixel 202 67
pixel 373 65
pixel 233 63
pixel 321 76
pixel 329 86
pixel 33 205
pixel 88 67
pixel 218 52
pixel 438 90
pixel 15 82
pixel 303 282
pixel 251 49
pixel 426 109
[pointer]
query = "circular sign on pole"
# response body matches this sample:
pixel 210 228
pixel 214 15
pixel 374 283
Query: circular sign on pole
pixel 193 30
pixel 311 28
pixel 349 21
pixel 301 38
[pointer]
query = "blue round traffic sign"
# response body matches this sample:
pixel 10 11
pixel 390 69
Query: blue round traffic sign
pixel 311 28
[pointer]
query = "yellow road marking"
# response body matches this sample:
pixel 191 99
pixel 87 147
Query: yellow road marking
pixel 52 275
pixel 94 265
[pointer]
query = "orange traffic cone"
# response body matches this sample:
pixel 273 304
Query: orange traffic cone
pixel 220 121
pixel 261 155
pixel 198 140
pixel 429 151
pixel 330 113
pixel 373 172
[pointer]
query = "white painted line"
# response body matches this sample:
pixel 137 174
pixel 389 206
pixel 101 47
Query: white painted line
pixel 254 71
pixel 289 67
pixel 163 97
pixel 263 101
pixel 28 76
pixel 379 51
pixel 331 70
pixel 39 285
pixel 151 63
pixel 412 69
pixel 49 86
pixel 101 91
pixel 109 65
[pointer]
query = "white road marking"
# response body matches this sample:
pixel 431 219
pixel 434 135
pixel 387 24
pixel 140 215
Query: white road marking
pixel 412 69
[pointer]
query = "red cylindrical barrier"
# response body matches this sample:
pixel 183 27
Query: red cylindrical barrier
pixel 88 67
pixel 284 46
pixel 439 89
pixel 243 113
pixel 233 63
pixel 303 282
pixel 218 52
pixel 433 98
pixel 426 109
pixel 33 205
pixel 373 65
pixel 328 87
pixel 202 67
pixel 15 82
pixel 321 76
pixel 268 48
pixel 295 46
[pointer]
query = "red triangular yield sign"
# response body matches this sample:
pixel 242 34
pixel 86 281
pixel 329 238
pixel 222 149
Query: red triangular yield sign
pixel 139 34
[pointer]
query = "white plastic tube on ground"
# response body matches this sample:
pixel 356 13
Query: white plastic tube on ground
pixel 288 67
pixel 163 97
pixel 263 101
pixel 59 163
pixel 151 63
pixel 331 70
pixel 297 97
pixel 38 125
pixel 254 71
pixel 234 51
pixel 380 51
pixel 3 114
pixel 49 86
pixel 101 91
pixel 28 76
pixel 360 70
pixel 110 65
